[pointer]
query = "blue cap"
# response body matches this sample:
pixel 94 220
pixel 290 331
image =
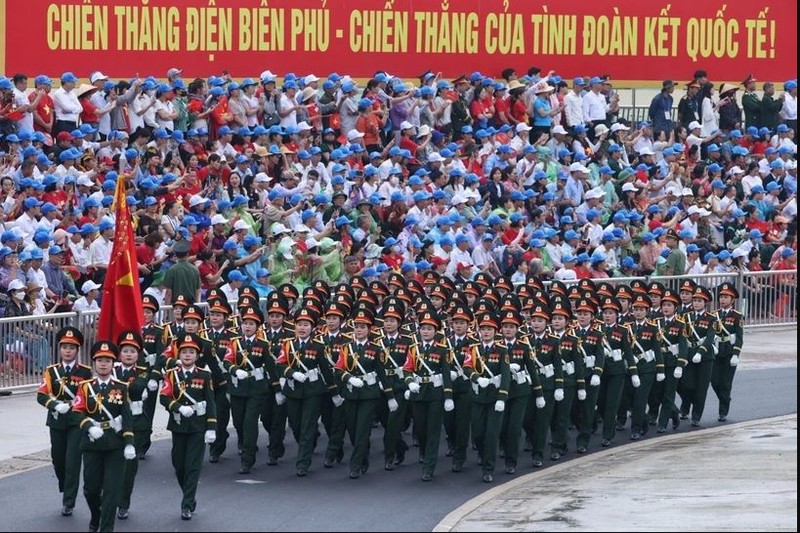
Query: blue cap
pixel 32 202
pixel 105 224
pixel 229 245
pixel 614 148
pixel 724 255
pixel 771 186
pixel 236 275
pixel 461 238
pixel 251 240
pixel 69 77
pixel 777 164
pixel 756 189
pixel 597 257
pixel 714 167
pixel 691 248
pixel 342 221
pixel 628 262
pixel 580 82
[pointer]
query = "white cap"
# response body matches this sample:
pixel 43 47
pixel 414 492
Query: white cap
pixel 434 157
pixel 354 134
pixel 261 177
pixel 424 130
pixel 524 127
pixel 406 125
pixel 15 285
pixel 705 212
pixel 174 72
pixel 738 252
pixel 301 228
pixel 267 75
pixel 303 126
pixel 218 219
pixel 89 286
pixel 85 181
pixel 311 79
pixel 628 187
pixel 617 127
pixel 458 198
pixel 693 125
pixel 97 76
pixel 594 193
pixel 278 229
pixel 735 170
pixel 577 167
pixel 693 210
pixel 600 129
pixel 241 224
pixel 646 151
pixel 196 200
pixel 789 165
pixel 558 129
pixel 311 242
pixel 687 192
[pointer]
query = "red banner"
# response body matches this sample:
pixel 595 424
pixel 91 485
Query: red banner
pixel 626 39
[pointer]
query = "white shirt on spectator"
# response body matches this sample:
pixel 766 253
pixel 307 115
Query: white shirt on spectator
pixel 66 105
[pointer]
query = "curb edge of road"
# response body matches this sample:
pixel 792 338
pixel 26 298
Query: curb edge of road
pixel 454 517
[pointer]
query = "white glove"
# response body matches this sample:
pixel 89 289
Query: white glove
pixel 356 382
pixel 413 387
pixel 392 405
pixel 540 403
pixel 595 381
pixel 515 367
pixel 499 406
pixel 62 408
pixel 407 394
pixel 95 433
pixel 483 382
pixel 150 359
pixel 635 381
pixel 280 399
pixel 129 452
pixel 449 405
pixel 735 360
pixel 144 395
pixel 241 374
pixel 337 400
pixel 210 437
pixel 660 376
pixel 678 373
pixel 581 394
pixel 697 358
pixel 558 395
pixel 453 375
pixel 299 376
pixel 186 410
pixel 152 385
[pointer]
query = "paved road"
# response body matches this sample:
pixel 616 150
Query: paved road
pixel 273 498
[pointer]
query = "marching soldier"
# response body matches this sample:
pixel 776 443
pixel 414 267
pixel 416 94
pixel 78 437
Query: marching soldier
pixel 309 380
pixel 102 409
pixel 427 376
pixel 252 372
pixel 151 356
pixel 457 422
pixel 573 371
pixel 188 395
pixel 273 415
pixel 730 328
pixel 175 329
pixel 700 336
pixel 590 347
pixel 135 377
pixel 57 394
pixel 686 293
pixel 672 331
pixel 650 363
pixel 333 337
pixel 360 368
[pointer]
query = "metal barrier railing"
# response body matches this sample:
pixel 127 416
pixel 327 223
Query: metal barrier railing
pixel 27 344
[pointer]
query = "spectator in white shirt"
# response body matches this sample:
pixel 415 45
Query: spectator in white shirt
pixel 163 108
pixel 23 105
pixel 788 111
pixel 87 302
pixel 66 107
pixel 573 103
pixel 595 106
pixel 287 107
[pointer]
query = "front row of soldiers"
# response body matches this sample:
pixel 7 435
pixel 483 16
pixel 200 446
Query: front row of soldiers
pixel 489 364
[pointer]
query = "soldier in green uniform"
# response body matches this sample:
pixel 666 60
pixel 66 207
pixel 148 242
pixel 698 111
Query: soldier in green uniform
pixel 151 356
pixel 361 374
pixel 56 394
pixel 730 328
pixel 135 377
pixel 590 347
pixel 619 362
pixel 309 381
pixel 273 414
pixel 396 347
pixel 523 382
pixel 457 422
pixel 751 103
pixel 573 371
pixel 333 336
pixel 188 395
pixel 700 335
pixel 252 373
pixel 672 332
pixel 175 329
pixel 102 410
pixel 649 366
pixel 551 377
pixel 685 293
pixel 427 376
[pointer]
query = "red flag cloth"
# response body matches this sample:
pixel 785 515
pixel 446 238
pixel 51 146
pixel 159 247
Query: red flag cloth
pixel 121 306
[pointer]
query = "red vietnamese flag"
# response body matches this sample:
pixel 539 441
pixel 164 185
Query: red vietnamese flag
pixel 121 307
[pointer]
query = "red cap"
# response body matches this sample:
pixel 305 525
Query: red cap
pixel 64 136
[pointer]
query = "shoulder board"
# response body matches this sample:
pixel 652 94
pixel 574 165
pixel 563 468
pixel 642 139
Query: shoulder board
pixel 87 367
pixel 142 368
pixel 650 322
pixel 407 337
pixel 54 365
pixel 171 370
pixel 118 382
pixel 679 318
pixel 441 344
pixel 551 335
pixel 86 381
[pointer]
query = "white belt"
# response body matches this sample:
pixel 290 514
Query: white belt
pixel 730 338
pixel 649 356
pixel 137 408
pixel 673 349
pixel 569 368
pixel 615 355
pixel 589 361
pixel 547 371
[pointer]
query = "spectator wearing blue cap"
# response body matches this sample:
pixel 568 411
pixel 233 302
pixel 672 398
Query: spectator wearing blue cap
pixel 595 105
pixel 660 111
pixel 66 106
pixel 100 251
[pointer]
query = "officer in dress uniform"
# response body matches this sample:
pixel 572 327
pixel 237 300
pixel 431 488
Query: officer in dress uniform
pixel 333 336
pixel 572 367
pixel 102 410
pixel 361 374
pixel 730 328
pixel 172 330
pixel 151 356
pixel 273 415
pixel 650 363
pixel 309 380
pixel 672 333
pixel 457 422
pixel 135 377
pixel 427 376
pixel 57 394
pixel 700 335
pixel 590 347
pixel 188 395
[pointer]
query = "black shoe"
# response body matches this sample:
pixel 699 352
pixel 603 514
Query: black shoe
pixel 401 455
pixel 302 472
pixel 272 461
pixel 244 469
pixel 605 443
pixel 426 477
pixel 487 478
pixel 581 449
pixel 480 461
pixel 457 467
pixel 355 474
pixel 93 527
pixel 722 418
pixel 676 421
pixel 620 425
pixel 449 452
pixel 415 442
pixel 389 465
pixel 122 513
pixel 537 463
pixel 684 416
pixel 365 466
pixel 211 459
pixel 66 511
pixel 528 446
pixel 555 456
pixel 510 469
pixel 186 514
pixel 240 451
pixel 143 457
pixel 328 463
pixel 661 430
pixel 695 423
pixel 635 436
pixel 340 456
pixel 652 421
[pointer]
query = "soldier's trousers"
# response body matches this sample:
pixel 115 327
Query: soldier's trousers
pixel 149 410
pixel 639 421
pixel 511 427
pixel 541 423
pixel 486 424
pixel 625 402
pixel 586 416
pixel 428 428
pixel 694 384
pixel 668 407
pixel 610 396
pixel 140 438
pixel 335 426
pixel 303 415
pixel 395 422
pixel 560 426
pixel 359 415
pixel 188 450
pixel 65 453
pixel 245 411
pixel 654 400
pixel 273 418
pixel 722 382
pixel 102 485
pixel 223 418
pixel 456 425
